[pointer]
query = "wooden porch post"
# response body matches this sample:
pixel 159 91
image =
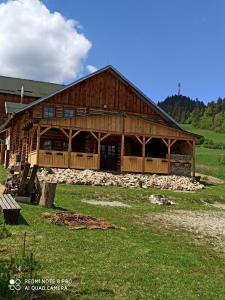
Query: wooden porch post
pixel 193 159
pixel 99 149
pixel 143 154
pixel 122 152
pixel 69 148
pixel 38 143
pixel 169 156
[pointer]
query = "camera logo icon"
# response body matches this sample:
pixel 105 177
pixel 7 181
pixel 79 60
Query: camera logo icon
pixel 15 284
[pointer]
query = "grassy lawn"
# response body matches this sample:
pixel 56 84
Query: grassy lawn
pixel 208 134
pixel 208 160
pixel 138 261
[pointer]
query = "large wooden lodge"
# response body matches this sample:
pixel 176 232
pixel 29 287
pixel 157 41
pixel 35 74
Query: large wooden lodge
pixel 99 122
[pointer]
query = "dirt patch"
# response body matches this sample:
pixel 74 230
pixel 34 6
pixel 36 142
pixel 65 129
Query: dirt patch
pixel 106 203
pixel 218 205
pixel 209 224
pixel 78 221
pixel 211 179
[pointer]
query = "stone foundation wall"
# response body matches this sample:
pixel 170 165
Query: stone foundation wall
pixel 181 169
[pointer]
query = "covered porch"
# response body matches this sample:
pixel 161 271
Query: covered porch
pixel 58 147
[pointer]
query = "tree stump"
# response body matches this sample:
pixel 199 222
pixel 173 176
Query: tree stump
pixel 48 194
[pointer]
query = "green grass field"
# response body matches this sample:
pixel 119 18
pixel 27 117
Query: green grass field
pixel 208 160
pixel 137 261
pixel 208 134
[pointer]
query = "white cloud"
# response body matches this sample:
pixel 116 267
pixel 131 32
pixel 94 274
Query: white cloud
pixel 91 68
pixel 38 44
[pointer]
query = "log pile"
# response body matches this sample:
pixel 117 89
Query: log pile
pixel 23 182
pixel 89 177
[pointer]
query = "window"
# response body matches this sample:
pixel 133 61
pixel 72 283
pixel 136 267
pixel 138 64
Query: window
pixel 68 112
pixel 49 112
pixel 47 145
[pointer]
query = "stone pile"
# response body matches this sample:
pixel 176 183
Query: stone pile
pixel 160 200
pixel 90 177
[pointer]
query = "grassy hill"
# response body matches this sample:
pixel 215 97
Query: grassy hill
pixel 209 160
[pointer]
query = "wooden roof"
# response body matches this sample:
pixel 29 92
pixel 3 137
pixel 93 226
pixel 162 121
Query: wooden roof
pixel 147 100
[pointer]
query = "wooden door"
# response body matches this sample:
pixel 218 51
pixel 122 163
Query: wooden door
pixel 108 157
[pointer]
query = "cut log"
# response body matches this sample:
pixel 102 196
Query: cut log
pixel 48 194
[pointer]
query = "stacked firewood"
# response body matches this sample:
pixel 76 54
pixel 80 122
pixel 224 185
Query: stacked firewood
pixel 23 182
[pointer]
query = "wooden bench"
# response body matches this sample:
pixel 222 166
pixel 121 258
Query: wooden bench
pixel 10 209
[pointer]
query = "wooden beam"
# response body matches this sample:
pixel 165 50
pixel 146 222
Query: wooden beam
pixel 138 139
pixel 164 141
pixel 143 154
pixel 94 135
pixel 38 143
pixel 105 136
pixel 76 133
pixel 172 143
pixel 63 131
pixel 69 147
pixel 122 153
pixel 169 156
pixel 148 140
pixel 99 149
pixel 43 131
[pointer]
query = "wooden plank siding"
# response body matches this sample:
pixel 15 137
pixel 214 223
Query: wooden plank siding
pixel 117 124
pixel 104 92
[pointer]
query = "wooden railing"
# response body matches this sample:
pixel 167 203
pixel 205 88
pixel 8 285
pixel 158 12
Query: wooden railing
pixel 156 165
pixel 132 164
pixel 55 159
pixel 84 160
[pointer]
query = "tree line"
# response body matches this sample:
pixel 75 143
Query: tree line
pixel 205 116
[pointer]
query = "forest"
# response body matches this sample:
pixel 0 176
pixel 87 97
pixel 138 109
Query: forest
pixel 188 111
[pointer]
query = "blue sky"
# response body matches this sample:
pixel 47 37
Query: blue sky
pixel 156 43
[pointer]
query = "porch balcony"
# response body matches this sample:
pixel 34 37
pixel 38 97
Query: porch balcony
pixel 58 148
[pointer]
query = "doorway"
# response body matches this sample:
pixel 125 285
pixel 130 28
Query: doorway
pixel 109 156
